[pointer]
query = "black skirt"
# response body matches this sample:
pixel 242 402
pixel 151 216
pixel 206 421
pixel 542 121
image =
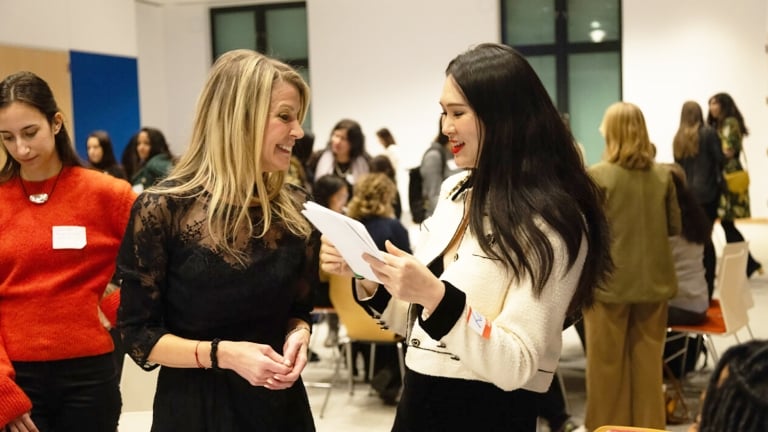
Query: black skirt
pixel 433 403
pixel 203 400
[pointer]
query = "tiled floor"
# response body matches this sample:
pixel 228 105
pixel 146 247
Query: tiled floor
pixel 363 412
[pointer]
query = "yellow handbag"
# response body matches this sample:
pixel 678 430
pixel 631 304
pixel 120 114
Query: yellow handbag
pixel 737 182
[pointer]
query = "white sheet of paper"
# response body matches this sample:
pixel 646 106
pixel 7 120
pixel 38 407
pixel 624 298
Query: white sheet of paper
pixel 69 237
pixel 348 235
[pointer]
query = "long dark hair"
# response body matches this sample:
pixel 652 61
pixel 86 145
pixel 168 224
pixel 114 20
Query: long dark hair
pixel 30 89
pixel 108 154
pixel 158 144
pixel 728 108
pixel 129 159
pixel 736 398
pixel 696 227
pixel 326 186
pixel 529 170
pixel 355 137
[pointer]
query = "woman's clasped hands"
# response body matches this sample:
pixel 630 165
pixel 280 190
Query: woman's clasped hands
pixel 261 365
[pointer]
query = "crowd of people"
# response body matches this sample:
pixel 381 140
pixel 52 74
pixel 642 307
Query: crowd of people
pixel 204 266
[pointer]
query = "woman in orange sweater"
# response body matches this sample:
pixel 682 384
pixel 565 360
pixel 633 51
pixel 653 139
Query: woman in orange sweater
pixel 62 226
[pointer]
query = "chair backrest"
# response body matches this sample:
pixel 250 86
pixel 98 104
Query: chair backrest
pixel 736 248
pixel 359 325
pixel 731 281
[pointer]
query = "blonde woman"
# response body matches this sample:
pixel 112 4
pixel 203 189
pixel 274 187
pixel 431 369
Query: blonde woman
pixel 626 326
pixel 217 259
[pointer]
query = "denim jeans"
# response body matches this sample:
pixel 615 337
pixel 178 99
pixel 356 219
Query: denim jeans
pixel 80 394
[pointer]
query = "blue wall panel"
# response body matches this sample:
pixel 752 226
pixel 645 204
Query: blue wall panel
pixel 105 95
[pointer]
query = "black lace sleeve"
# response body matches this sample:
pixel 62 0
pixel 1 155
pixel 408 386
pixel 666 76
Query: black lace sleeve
pixel 141 266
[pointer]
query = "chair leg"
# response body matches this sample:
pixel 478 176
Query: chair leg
pixel 350 366
pixel 710 344
pixel 371 365
pixel 684 363
pixel 749 329
pixel 334 377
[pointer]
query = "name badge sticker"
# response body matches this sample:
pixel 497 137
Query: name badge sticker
pixel 69 237
pixel 479 324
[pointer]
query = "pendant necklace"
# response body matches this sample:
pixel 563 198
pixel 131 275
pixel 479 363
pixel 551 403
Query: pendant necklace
pixel 40 198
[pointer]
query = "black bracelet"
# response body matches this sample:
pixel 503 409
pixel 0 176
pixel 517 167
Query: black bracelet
pixel 214 356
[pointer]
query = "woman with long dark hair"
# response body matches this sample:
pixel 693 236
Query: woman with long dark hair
pixel 516 244
pixel 724 116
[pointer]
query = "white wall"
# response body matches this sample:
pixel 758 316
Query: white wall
pixel 382 63
pixel 369 61
pixel 97 26
pixel 682 50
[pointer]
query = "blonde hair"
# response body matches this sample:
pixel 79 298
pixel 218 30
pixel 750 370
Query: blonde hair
pixel 224 154
pixel 626 137
pixel 686 142
pixel 373 196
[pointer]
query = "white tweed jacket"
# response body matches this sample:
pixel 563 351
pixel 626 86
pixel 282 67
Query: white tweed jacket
pixel 504 334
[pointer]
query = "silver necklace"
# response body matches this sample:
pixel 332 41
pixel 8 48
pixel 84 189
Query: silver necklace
pixel 40 198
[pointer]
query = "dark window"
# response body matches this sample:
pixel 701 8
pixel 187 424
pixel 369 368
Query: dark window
pixel 575 48
pixel 277 30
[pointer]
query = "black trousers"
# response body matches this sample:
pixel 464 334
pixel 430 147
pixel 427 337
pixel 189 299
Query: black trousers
pixel 732 235
pixel 79 394
pixel 442 404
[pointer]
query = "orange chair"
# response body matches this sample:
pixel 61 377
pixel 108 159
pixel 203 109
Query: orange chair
pixel 360 327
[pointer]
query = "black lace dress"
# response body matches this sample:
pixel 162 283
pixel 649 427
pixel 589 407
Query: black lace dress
pixel 173 282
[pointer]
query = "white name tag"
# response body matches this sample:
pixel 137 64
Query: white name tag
pixel 479 323
pixel 69 237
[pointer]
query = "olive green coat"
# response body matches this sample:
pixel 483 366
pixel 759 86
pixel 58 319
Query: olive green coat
pixel 642 211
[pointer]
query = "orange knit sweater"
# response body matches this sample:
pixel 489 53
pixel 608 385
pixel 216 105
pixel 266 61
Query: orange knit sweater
pixel 49 297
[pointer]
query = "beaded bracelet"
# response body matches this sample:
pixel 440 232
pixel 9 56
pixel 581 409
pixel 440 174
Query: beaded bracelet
pixel 214 356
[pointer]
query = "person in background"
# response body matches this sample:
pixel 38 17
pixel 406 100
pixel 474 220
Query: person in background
pixel 437 164
pixel 297 173
pixel 697 150
pixel 345 154
pixel 130 159
pixel 391 149
pixel 154 159
pixel 626 327
pixel 217 261
pixel 689 306
pixel 371 204
pixel 333 192
pixel 101 156
pixel 382 164
pixel 736 395
pixel 724 116
pixel 516 244
pixel 62 225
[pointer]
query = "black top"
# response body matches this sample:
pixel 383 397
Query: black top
pixel 383 228
pixel 703 171
pixel 173 282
